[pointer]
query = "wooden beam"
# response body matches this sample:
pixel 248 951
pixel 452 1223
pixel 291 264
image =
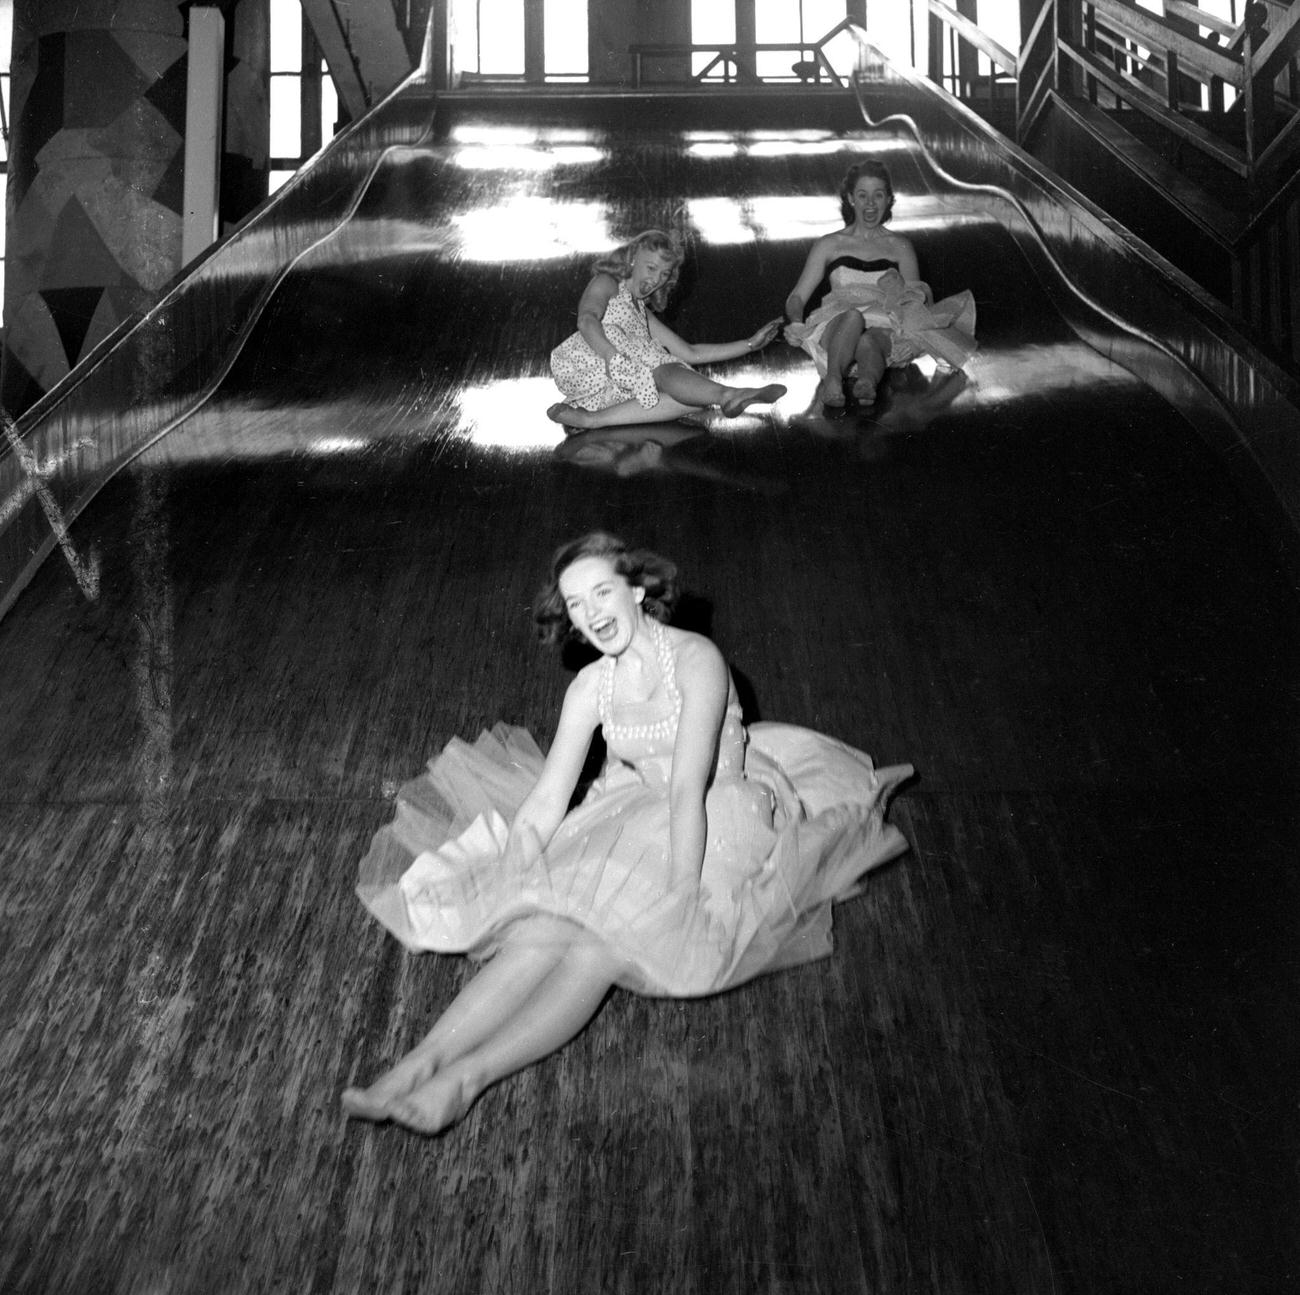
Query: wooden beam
pixel 363 48
pixel 1133 92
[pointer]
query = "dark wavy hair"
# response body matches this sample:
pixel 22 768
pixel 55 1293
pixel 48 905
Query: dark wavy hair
pixel 877 171
pixel 640 567
pixel 619 262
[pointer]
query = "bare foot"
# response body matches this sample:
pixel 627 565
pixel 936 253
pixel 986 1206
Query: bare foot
pixel 743 397
pixel 864 392
pixel 569 416
pixel 433 1106
pixel 830 391
pixel 376 1102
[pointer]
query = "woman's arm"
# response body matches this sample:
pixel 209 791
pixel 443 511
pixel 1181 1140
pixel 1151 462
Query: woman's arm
pixel 545 806
pixel 591 311
pixel 907 263
pixel 814 269
pixel 704 684
pixel 708 352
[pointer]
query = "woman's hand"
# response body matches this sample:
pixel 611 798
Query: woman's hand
pixel 764 335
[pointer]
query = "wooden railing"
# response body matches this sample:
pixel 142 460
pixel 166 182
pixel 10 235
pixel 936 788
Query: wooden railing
pixel 964 39
pixel 736 62
pixel 1230 91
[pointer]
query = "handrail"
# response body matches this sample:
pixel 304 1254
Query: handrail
pixel 1149 45
pixel 975 35
pixel 1195 54
pixel 741 54
pixel 1283 144
pixel 1151 105
pixel 1201 18
pixel 1280 46
pixel 1079 46
pixel 1035 31
pixel 735 52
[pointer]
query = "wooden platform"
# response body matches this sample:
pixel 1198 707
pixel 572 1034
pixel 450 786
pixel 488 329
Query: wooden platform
pixel 1055 1049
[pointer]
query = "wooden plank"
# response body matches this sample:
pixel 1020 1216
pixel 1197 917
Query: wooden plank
pixel 1136 94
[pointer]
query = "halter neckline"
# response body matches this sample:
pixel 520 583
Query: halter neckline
pixel 661 728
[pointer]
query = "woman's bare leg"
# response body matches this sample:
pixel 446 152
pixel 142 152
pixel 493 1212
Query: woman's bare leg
pixel 562 1004
pixel 690 388
pixel 626 413
pixel 872 355
pixel 495 994
pixel 841 339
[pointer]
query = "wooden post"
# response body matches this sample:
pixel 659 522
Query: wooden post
pixel 1090 44
pixel 309 92
pixel 441 72
pixel 920 35
pixel 535 41
pixel 746 39
pixel 204 87
pixel 1068 23
pixel 1257 90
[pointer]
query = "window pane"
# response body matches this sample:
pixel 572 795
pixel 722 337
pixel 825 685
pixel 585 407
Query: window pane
pixel 712 23
pixel 286 36
pixel 566 37
pixel 286 117
pixel 776 23
pixel 1002 21
pixel 463 33
pixel 501 37
pixel 819 16
pixel 889 27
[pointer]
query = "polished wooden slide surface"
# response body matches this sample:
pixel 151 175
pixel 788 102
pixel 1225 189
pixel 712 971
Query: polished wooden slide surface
pixel 1055 1048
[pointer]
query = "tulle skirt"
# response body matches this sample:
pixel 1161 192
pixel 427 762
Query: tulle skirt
pixel 944 329
pixel 796 834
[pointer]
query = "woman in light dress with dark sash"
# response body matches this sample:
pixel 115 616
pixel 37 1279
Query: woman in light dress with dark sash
pixel 703 855
pixel 860 306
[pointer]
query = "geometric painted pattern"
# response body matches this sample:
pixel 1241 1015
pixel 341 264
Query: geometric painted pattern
pixel 96 176
pixel 94 228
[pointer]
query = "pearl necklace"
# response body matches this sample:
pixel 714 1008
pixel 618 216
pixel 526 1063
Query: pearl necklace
pixel 660 729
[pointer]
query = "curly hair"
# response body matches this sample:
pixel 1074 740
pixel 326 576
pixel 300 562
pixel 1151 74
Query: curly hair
pixel 639 567
pixel 619 262
pixel 877 171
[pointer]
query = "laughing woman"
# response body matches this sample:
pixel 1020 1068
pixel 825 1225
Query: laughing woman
pixel 701 857
pixel 625 365
pixel 865 305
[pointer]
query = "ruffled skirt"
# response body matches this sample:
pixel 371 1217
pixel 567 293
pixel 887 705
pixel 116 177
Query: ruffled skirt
pixel 785 842
pixel 580 373
pixel 944 330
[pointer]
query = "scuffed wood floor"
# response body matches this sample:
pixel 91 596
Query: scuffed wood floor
pixel 1054 1050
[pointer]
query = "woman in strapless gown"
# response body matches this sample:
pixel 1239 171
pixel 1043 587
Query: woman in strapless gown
pixel 703 855
pixel 860 306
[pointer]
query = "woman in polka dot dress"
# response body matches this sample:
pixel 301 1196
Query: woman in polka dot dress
pixel 702 856
pixel 624 365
